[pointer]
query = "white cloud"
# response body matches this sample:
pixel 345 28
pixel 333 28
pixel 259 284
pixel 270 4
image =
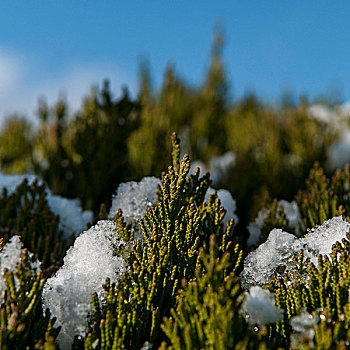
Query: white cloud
pixel 9 72
pixel 23 81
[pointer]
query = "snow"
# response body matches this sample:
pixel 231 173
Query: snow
pixel 345 109
pixel 321 239
pixel 12 181
pixel 259 307
pixel 203 169
pixel 72 218
pixel 281 247
pixel 134 198
pixel 303 325
pixel 260 264
pixel 10 256
pixel 291 210
pixel 303 322
pixel 337 120
pixel 86 266
pixel 322 113
pixel 227 202
pixel 254 228
pixel 218 167
pixel 339 152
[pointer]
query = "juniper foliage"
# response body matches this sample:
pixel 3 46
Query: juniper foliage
pixel 207 313
pixel 321 290
pixel 322 199
pixel 23 325
pixel 25 212
pixel 175 230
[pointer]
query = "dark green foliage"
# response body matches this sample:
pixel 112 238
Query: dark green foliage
pixel 86 156
pixel 170 109
pixel 23 325
pixel 322 291
pixel 98 142
pixel 324 198
pixel 207 313
pixel 172 274
pixel 51 160
pixel 109 141
pixel 25 212
pixel 175 230
pixel 196 113
pixel 275 151
pixel 15 145
pixel 208 135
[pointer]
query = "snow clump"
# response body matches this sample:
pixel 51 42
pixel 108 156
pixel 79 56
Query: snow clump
pixel 280 248
pixel 337 120
pixel 259 307
pixel 134 198
pixel 290 209
pixel 339 152
pixel 72 218
pixel 323 114
pixel 10 256
pixel 86 266
pixel 303 325
pixel 12 181
pixel 254 228
pixel 218 167
pixel 227 202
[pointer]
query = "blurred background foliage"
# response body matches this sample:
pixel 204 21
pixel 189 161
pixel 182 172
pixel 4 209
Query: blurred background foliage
pixel 110 140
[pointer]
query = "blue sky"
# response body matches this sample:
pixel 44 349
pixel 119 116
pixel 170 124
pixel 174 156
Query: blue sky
pixel 47 47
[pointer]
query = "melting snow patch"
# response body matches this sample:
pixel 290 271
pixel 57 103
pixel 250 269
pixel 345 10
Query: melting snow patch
pixel 339 152
pixel 10 256
pixel 303 325
pixel 254 228
pixel 259 307
pixel 303 322
pixel 12 181
pixel 281 247
pixel 218 167
pixel 134 198
pixel 86 266
pixel 72 218
pixel 322 113
pixel 227 202
pixel 291 210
